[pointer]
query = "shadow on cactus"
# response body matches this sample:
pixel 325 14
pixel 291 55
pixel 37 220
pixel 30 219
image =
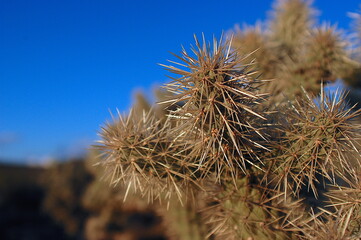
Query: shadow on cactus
pixel 345 205
pixel 245 211
pixel 339 219
pixel 319 137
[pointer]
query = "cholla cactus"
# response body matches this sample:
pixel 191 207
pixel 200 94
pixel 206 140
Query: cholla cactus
pixel 345 202
pixel 353 78
pixel 251 42
pixel 280 47
pixel 216 149
pixel 325 53
pixel 322 58
pixel 294 51
pixel 141 155
pixel 289 26
pixel 244 211
pixel 219 117
pixel 219 134
pixel 318 137
pixel 339 219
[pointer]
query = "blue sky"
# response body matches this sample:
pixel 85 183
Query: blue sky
pixel 65 64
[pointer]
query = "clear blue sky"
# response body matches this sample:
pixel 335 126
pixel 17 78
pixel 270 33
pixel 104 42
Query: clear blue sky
pixel 65 64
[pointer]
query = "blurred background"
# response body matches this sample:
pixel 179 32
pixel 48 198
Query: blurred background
pixel 64 66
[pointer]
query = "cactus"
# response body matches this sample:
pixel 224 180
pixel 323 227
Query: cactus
pixel 219 117
pixel 252 43
pixel 218 135
pixel 242 212
pixel 293 51
pixel 183 222
pixel 233 158
pixel 316 136
pixel 346 204
pixel 289 25
pixel 340 218
pixel 141 155
pixel 112 218
pixel 326 53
